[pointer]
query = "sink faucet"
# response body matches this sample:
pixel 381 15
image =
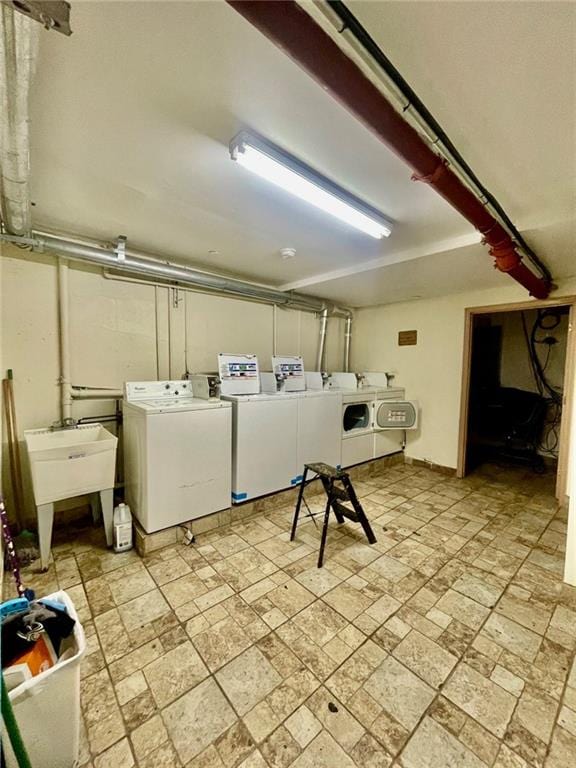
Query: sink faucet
pixel 64 424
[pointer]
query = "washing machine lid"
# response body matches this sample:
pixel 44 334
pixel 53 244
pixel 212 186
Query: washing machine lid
pixel 396 414
pixel 333 393
pixel 180 405
pixel 261 396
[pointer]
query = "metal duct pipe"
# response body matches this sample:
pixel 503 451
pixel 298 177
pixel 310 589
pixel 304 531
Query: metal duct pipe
pixel 136 263
pixel 347 340
pixel 320 360
pixel 19 38
pixel 287 25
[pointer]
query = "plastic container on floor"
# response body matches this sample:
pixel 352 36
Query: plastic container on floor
pixel 122 528
pixel 47 707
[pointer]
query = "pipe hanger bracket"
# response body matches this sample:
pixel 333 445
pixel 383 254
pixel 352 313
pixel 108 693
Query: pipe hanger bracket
pixel 432 178
pixel 120 249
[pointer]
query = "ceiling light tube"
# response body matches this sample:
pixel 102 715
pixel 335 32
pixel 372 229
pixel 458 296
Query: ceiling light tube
pixel 273 164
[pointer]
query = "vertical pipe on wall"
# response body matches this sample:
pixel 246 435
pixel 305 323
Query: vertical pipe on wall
pixel 347 341
pixel 64 333
pixel 185 300
pixel 177 333
pixel 157 332
pixel 320 360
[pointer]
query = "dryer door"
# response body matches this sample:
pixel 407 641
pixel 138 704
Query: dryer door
pixel 395 414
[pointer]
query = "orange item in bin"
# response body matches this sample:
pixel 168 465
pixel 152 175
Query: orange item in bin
pixel 39 658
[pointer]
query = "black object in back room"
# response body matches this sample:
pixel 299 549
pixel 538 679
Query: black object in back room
pixel 513 424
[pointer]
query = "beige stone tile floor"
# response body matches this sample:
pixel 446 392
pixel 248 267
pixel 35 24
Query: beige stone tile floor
pixel 448 644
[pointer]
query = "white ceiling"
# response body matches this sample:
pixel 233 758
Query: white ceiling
pixel 132 115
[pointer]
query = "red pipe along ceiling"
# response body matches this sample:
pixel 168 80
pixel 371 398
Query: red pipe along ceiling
pixel 297 34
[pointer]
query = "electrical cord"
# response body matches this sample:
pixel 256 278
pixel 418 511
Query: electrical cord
pixel 543 314
pixel 547 358
pixel 546 320
pixel 351 23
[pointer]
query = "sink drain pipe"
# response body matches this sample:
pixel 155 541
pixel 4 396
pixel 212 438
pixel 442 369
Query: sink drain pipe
pixel 68 392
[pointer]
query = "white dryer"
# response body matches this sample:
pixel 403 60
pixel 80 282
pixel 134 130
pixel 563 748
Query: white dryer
pixel 264 444
pixel 357 432
pixel 177 453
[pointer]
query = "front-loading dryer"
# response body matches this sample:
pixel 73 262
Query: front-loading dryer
pixel 357 430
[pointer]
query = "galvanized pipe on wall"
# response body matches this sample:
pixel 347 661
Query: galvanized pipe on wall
pixel 64 339
pixel 135 263
pixel 321 358
pixel 347 342
pixel 174 275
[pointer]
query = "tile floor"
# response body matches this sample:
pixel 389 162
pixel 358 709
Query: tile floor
pixel 448 644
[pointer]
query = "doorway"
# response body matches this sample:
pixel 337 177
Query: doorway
pixel 516 388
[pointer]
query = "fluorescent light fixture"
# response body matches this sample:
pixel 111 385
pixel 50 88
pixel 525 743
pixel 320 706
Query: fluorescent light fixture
pixel 273 164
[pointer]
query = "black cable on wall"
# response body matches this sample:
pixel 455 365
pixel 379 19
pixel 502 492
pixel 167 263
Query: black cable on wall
pixel 351 23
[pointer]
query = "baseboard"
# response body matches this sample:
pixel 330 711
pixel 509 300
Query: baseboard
pixel 447 471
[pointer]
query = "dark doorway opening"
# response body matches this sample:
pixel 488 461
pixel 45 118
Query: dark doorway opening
pixel 515 396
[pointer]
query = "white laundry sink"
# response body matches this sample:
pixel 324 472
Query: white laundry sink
pixel 70 462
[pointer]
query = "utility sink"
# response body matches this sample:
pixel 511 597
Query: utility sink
pixel 70 462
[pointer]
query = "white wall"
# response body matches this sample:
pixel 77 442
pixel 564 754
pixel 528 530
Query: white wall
pixel 127 331
pixel 430 371
pixel 215 324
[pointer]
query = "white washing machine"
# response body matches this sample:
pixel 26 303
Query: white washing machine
pixel 319 428
pixel 177 453
pixel 264 444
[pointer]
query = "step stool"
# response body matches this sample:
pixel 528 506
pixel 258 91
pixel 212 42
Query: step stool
pixel 335 495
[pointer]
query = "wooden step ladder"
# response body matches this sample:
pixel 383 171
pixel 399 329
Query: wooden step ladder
pixel 335 495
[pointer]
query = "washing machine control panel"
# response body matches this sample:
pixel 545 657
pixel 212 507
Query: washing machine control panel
pixel 156 390
pixel 291 369
pixel 239 374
